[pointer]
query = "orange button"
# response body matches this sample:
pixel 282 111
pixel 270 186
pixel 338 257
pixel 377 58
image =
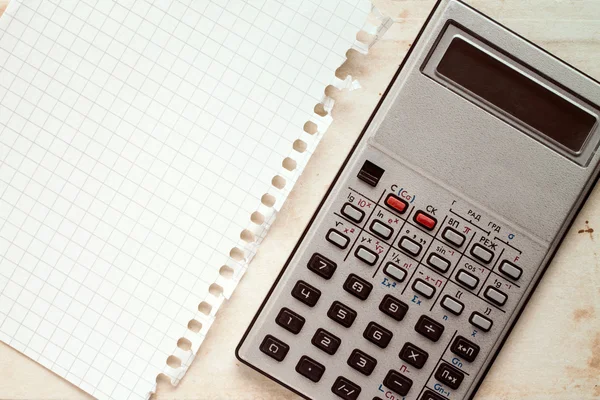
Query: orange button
pixel 396 203
pixel 425 220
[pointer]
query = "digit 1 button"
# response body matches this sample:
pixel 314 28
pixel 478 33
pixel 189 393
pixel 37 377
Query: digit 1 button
pixel 341 314
pixel 306 293
pixel 362 362
pixel 465 349
pixel 393 307
pixel 326 341
pixel 310 369
pixel 429 328
pixel 357 287
pixel 337 238
pixel 290 320
pixel 396 203
pixel 377 335
pixel 274 348
pixel 322 266
pixel 397 382
pixel 345 389
pixel 353 213
pixel 413 355
pixel 425 220
pixel 449 376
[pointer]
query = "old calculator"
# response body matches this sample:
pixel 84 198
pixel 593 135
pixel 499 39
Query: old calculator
pixel 440 223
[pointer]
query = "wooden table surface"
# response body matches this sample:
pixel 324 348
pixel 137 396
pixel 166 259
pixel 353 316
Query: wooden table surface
pixel 554 350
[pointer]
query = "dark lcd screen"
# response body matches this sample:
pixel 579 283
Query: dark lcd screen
pixel 516 94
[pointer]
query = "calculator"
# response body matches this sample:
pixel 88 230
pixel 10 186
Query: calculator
pixel 440 223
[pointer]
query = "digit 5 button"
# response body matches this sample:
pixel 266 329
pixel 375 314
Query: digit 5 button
pixel 425 220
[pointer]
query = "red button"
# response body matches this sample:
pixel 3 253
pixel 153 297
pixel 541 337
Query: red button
pixel 396 203
pixel 425 220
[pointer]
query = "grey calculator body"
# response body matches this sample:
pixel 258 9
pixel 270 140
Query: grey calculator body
pixel 439 225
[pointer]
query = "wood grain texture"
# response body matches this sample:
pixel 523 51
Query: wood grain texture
pixel 554 350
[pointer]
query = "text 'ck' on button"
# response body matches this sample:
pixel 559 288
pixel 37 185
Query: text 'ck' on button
pixel 274 348
pixel 425 220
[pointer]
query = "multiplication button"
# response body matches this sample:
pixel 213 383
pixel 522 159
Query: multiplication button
pixel 353 213
pixel 337 238
pixel 453 236
pixel 413 355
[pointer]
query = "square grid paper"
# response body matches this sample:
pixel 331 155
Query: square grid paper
pixel 136 139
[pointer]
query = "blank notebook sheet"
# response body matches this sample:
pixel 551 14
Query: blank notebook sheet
pixel 137 139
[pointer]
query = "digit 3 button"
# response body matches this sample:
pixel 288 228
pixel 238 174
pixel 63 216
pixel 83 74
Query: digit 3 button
pixel 362 362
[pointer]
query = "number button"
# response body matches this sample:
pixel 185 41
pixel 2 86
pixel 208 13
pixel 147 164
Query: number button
pixel 393 307
pixel 345 389
pixel 306 293
pixel 377 335
pixel 326 341
pixel 397 382
pixel 357 287
pixel 290 320
pixel 362 362
pixel 449 376
pixel 322 266
pixel 274 348
pixel 429 328
pixel 465 349
pixel 310 369
pixel 341 314
pixel 413 355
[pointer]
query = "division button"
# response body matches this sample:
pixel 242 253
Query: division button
pixel 357 286
pixel 397 382
pixel 481 253
pixel 290 320
pixel 394 271
pixel 366 255
pixel 274 348
pixel 337 238
pixel 353 213
pixel 452 305
pixel 467 279
pixel 326 341
pixel 449 376
pixel 429 328
pixel 495 296
pixel 382 230
pixel 370 173
pixel 345 389
pixel 453 236
pixel 429 395
pixel 305 293
pixel 377 335
pixel 438 262
pixel 481 322
pixel 465 349
pixel 393 307
pixel 423 288
pixel 310 369
pixel 341 314
pixel 322 266
pixel 413 355
pixel 396 203
pixel 362 362
pixel 511 270
pixel 410 246
pixel 425 220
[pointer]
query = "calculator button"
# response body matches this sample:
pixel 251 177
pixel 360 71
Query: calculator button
pixel 341 314
pixel 290 320
pixel 410 246
pixel 310 369
pixel 429 328
pixel 423 288
pixel 366 255
pixel 495 296
pixel 322 266
pixel 396 203
pixel 358 287
pixel 452 305
pixel 413 355
pixel 345 389
pixel 393 307
pixel 353 213
pixel 481 322
pixel 395 272
pixel 453 236
pixel 429 395
pixel 337 238
pixel 449 376
pixel 306 293
pixel 326 341
pixel 397 382
pixel 467 279
pixel 362 362
pixel 465 349
pixel 438 262
pixel 377 335
pixel 511 270
pixel 274 348
pixel 370 173
pixel 381 229
pixel 481 253
pixel 425 220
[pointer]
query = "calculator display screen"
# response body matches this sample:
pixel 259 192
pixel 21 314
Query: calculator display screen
pixel 516 94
